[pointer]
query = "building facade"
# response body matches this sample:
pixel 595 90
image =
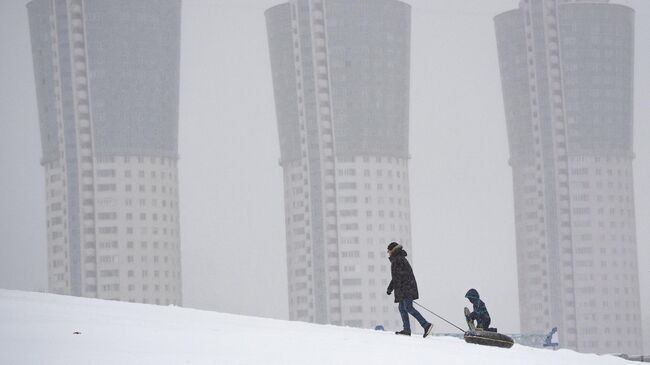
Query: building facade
pixel 341 84
pixel 567 76
pixel 107 78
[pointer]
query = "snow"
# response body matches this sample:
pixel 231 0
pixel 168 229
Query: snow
pixel 38 328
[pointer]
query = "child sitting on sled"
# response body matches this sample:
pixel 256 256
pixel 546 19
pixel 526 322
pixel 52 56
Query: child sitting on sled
pixel 480 313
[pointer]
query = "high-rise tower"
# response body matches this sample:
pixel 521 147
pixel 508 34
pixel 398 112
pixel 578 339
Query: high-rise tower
pixel 341 84
pixel 107 75
pixel 567 76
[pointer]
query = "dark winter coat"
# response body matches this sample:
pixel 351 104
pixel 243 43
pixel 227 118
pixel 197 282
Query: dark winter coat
pixel 403 281
pixel 480 311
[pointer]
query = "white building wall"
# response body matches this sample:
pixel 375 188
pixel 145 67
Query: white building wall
pixel 571 154
pixel 532 252
pixel 604 244
pixel 373 210
pixel 112 208
pixel 136 254
pixel 57 235
pixel 138 238
pixel 604 285
pixel 296 191
pixel 344 153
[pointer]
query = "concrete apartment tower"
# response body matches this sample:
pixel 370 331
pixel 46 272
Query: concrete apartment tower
pixel 341 83
pixel 567 75
pixel 107 78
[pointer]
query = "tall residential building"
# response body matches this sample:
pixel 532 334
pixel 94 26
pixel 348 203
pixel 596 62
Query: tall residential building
pixel 567 76
pixel 107 79
pixel 341 83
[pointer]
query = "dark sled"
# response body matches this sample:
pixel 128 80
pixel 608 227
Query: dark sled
pixel 488 338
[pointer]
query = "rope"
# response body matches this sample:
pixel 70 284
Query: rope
pixel 428 310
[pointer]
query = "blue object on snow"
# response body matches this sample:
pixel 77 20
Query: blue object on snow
pixel 550 341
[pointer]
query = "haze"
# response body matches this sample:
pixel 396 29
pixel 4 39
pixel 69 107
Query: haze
pixel 231 192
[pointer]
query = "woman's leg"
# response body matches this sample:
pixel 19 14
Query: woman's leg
pixel 408 306
pixel 405 316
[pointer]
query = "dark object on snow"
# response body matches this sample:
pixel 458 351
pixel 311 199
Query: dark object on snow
pixel 405 286
pixel 480 313
pixel 489 337
pixel 427 329
pixel 403 333
pixel 379 328
pixel 76 333
pixel 403 281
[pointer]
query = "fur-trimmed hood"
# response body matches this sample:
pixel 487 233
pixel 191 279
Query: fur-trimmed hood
pixel 397 251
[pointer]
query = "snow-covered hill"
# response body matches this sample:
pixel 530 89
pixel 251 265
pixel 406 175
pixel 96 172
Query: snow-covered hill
pixel 39 329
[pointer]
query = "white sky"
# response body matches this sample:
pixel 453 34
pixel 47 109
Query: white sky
pixel 232 214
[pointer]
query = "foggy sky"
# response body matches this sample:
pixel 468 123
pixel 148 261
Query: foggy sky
pixel 231 189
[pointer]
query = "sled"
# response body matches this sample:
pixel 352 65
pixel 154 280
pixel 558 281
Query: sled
pixel 487 338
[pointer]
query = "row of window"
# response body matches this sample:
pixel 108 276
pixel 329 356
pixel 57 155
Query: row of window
pixel 378 200
pixel 351 171
pixel 111 173
pixel 140 159
pixel 141 203
pixel 369 186
pixel 107 245
pixel 377 159
pixel 369 214
pixel 381 227
pixel 110 201
pixel 115 259
pixel 107 216
pixel 113 230
pixel 618 186
pixel 297 283
pixel 130 287
pixel 301 274
pixel 142 188
pixel 115 273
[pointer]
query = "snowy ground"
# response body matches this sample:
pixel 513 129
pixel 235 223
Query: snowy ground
pixel 38 329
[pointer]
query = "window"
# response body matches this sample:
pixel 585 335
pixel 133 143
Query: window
pixel 106 173
pixel 350 254
pixel 351 282
pixel 107 216
pixel 106 187
pixel 107 230
pixel 347 185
